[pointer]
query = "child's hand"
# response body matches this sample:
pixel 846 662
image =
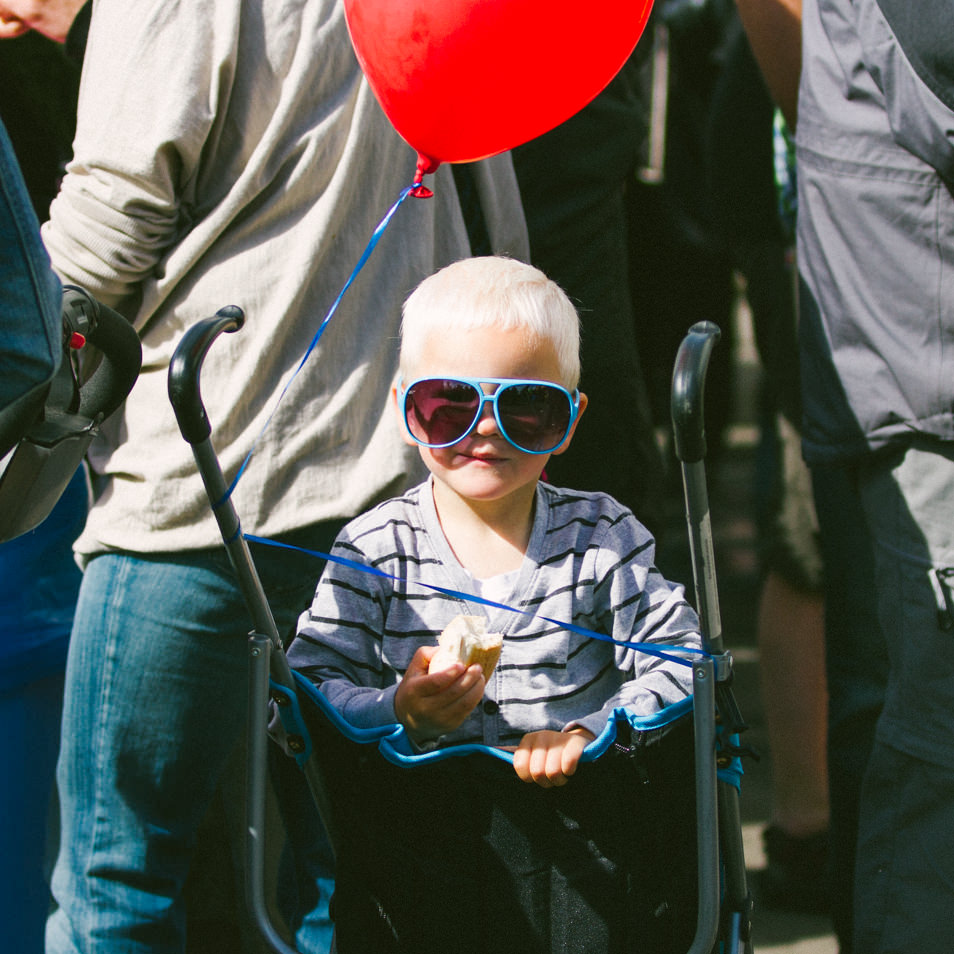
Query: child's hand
pixel 549 758
pixel 431 705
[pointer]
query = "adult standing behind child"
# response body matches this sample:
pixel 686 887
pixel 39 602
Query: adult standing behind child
pixel 875 251
pixel 488 391
pixel 876 309
pixel 233 156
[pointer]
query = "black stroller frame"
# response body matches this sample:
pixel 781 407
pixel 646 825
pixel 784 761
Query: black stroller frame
pixel 723 907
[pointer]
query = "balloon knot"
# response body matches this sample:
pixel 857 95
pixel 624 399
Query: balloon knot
pixel 425 166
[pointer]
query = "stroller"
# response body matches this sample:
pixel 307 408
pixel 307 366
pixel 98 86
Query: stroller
pixel 641 851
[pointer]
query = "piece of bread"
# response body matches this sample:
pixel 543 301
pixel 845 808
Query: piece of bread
pixel 466 640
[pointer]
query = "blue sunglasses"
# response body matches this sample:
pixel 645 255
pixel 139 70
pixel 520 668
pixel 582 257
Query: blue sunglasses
pixel 533 416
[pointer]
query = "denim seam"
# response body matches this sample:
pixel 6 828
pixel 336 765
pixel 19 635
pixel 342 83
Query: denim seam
pixel 110 658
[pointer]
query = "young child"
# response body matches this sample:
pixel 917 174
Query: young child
pixel 488 391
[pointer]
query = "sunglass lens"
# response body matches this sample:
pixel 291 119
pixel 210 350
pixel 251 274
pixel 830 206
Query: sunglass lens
pixel 535 417
pixel 439 411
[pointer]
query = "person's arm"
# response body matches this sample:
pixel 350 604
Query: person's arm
pixel 338 645
pixel 774 29
pixel 154 77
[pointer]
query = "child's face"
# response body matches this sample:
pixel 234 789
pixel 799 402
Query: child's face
pixel 484 466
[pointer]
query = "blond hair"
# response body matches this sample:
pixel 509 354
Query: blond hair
pixel 492 291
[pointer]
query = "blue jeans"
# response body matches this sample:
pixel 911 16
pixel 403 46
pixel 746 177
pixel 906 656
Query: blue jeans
pixel 30 304
pixel 40 583
pixel 155 707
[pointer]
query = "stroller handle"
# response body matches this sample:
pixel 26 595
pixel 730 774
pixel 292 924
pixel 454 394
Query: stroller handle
pixel 688 384
pixel 186 367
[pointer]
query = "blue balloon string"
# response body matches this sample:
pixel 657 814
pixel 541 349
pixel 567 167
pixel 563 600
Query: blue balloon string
pixel 375 238
pixel 650 649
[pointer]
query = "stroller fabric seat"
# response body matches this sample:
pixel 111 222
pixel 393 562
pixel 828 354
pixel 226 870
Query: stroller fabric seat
pixel 456 853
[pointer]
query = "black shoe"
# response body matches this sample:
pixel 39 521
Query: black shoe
pixel 795 877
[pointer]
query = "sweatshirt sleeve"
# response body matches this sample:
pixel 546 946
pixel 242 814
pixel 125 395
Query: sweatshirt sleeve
pixel 156 73
pixel 339 642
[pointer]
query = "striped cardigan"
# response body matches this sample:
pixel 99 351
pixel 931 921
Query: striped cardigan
pixel 589 562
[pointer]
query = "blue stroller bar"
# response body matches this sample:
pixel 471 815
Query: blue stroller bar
pixel 684 893
pixel 394 744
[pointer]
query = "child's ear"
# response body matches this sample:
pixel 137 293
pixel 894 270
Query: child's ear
pixel 397 410
pixel 569 437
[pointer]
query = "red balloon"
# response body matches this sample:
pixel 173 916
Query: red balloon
pixel 461 80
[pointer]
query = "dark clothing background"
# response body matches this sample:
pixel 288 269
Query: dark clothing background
pixel 573 182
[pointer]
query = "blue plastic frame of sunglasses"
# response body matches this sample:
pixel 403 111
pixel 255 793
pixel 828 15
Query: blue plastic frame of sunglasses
pixel 533 416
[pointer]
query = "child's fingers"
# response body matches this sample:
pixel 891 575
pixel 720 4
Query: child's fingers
pixel 462 694
pixel 452 683
pixel 537 759
pixel 570 756
pixel 545 767
pixel 430 705
pixel 420 662
pixel 459 700
pixel 548 758
pixel 521 763
pixel 438 683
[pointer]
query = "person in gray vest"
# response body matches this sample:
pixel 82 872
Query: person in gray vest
pixel 876 256
pixel 876 252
